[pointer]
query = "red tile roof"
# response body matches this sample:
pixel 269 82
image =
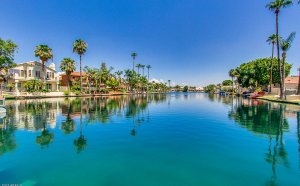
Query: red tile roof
pixel 292 80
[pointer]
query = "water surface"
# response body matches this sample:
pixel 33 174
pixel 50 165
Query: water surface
pixel 173 139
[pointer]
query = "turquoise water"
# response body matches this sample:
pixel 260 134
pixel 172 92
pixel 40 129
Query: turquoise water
pixel 173 139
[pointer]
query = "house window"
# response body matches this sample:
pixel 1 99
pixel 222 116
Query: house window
pixel 49 87
pixel 29 73
pixel 22 73
pixel 52 75
pixel 48 75
pixel 37 74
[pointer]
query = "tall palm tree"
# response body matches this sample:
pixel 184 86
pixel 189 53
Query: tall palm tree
pixel 143 67
pixel 232 75
pixel 272 40
pixel 138 66
pixel 80 47
pixel 148 67
pixel 169 82
pixel 285 45
pixel 44 53
pixel 68 65
pixel 276 6
pixel 133 55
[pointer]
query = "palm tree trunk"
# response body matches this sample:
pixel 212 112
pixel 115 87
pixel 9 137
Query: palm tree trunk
pixel 283 76
pixel 68 82
pixel 299 82
pixel 232 84
pixel 271 70
pixel 278 55
pixel 138 70
pixel 133 64
pixel 43 70
pixel 148 74
pixel 80 74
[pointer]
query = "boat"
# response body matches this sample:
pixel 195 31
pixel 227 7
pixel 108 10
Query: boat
pixel 257 94
pixel 2 105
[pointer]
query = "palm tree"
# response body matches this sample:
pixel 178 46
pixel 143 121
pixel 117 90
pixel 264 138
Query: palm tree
pixel 276 6
pixel 285 45
pixel 68 65
pixel 232 75
pixel 143 67
pixel 119 73
pixel 138 66
pixel 133 55
pixel 44 53
pixel 148 67
pixel 169 81
pixel 80 47
pixel 272 40
pixel 90 74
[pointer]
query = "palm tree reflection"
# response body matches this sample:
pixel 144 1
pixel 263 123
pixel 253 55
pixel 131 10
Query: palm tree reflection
pixel 267 120
pixel 80 142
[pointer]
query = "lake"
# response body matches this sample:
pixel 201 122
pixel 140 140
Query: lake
pixel 161 139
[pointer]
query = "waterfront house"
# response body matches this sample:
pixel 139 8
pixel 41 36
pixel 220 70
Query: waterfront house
pixel 32 70
pixel 291 85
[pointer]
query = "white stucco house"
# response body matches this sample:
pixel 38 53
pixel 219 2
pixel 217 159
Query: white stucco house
pixel 31 70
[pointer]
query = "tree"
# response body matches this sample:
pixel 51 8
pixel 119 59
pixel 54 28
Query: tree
pixel 143 67
pixel 148 67
pixel 285 45
pixel 68 65
pixel 210 88
pixel 113 83
pixel 133 55
pixel 80 47
pixel 44 53
pixel 256 73
pixel 272 40
pixel 276 6
pixel 7 52
pixel 232 73
pixel 227 83
pixel 119 73
pixel 90 74
pixel 138 66
pixel 185 88
pixel 169 82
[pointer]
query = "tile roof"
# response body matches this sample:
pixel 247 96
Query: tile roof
pixel 292 79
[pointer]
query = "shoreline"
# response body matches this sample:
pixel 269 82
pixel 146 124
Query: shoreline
pixel 280 101
pixel 74 96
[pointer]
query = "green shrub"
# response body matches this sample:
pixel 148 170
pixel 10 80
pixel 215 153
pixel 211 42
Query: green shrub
pixel 66 93
pixel 77 93
pixel 104 90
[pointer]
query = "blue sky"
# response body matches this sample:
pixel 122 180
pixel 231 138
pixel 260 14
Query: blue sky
pixel 186 41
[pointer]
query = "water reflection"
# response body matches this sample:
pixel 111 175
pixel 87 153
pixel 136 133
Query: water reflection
pixel 42 116
pixel 266 120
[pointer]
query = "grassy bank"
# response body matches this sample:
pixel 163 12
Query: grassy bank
pixel 275 99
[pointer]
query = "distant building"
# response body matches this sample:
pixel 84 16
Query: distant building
pixel 32 70
pixel 199 89
pixel 292 82
pixel 291 85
